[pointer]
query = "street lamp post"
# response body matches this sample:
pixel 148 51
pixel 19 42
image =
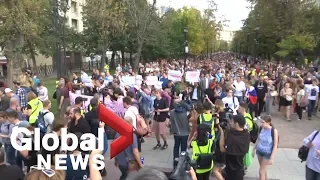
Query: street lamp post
pixel 186 48
pixel 66 8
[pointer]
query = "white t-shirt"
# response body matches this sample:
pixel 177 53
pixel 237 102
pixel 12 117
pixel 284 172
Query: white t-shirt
pixel 43 93
pixel 48 119
pixel 132 112
pixel 312 91
pixel 239 88
pixel 232 102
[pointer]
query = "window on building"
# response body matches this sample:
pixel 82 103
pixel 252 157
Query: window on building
pixel 74 23
pixel 74 7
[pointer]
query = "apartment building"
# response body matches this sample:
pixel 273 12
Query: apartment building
pixel 74 14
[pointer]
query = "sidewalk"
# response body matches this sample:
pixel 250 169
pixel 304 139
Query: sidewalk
pixel 286 165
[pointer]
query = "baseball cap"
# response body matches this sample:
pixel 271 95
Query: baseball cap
pixel 78 100
pixel 7 90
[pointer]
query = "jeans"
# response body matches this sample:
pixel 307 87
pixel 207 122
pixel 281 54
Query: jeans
pixel 10 154
pixel 260 105
pixel 240 98
pixel 311 106
pixel 311 174
pixel 124 172
pixel 179 142
pixel 299 111
pixel 27 89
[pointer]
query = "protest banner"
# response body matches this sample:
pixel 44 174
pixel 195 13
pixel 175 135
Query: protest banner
pixel 174 75
pixel 128 80
pixel 192 76
pixel 151 80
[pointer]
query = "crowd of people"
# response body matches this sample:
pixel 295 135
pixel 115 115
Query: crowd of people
pixel 229 106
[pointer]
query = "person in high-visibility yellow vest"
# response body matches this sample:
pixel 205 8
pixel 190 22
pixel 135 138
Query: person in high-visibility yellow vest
pixel 34 107
pixel 79 103
pixel 202 153
pixel 207 118
pixel 106 68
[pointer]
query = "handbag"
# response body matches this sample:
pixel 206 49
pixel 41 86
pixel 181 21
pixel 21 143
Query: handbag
pixel 304 101
pixel 274 93
pixel 288 98
pixel 304 150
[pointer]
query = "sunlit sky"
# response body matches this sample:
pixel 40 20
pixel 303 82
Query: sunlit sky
pixel 232 10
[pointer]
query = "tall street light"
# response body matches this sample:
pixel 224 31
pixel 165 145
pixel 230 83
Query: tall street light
pixel 186 48
pixel 66 8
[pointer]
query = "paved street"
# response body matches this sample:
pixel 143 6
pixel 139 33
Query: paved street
pixel 286 165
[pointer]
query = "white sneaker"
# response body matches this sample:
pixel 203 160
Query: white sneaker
pixel 255 119
pixel 259 117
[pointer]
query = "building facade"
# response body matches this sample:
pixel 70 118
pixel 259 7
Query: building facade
pixel 74 14
pixel 226 35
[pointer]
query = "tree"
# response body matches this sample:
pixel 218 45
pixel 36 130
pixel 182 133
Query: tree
pixel 280 28
pixel 140 15
pixel 19 18
pixel 101 19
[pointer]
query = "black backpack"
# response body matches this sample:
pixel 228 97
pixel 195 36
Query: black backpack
pixel 304 150
pixel 254 133
pixel 204 160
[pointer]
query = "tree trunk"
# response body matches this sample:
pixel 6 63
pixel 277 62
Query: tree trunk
pixel 33 57
pixel 112 63
pixel 14 59
pixel 137 57
pixel 103 59
pixel 123 58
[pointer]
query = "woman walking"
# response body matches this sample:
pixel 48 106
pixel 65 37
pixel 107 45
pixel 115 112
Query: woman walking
pixel 270 97
pixel 266 146
pixel 302 101
pixel 286 100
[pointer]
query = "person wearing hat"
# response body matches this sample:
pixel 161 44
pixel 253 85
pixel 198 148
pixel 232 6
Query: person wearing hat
pixel 21 93
pixel 79 103
pixel 235 144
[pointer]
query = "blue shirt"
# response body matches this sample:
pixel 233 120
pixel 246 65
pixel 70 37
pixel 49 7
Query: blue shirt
pixel 164 82
pixel 313 159
pixel 265 144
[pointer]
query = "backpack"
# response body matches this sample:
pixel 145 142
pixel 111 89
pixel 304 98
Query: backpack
pixel 207 125
pixel 204 160
pixel 254 133
pixel 304 150
pixel 40 122
pixel 272 134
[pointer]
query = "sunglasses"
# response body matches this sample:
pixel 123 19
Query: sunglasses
pixel 48 172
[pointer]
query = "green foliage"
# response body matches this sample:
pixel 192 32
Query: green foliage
pixel 280 28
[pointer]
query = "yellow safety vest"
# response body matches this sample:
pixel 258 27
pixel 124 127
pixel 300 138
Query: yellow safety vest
pixel 207 118
pixel 90 107
pixel 106 68
pixel 204 150
pixel 248 119
pixel 82 112
pixel 36 107
pixel 57 82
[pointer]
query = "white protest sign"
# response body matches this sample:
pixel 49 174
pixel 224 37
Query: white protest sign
pixel 128 80
pixel 174 75
pixel 151 80
pixel 139 77
pixel 192 76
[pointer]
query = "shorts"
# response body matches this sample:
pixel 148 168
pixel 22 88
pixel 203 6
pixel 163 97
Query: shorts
pixel 159 127
pixel 263 155
pixel 148 117
pixel 219 165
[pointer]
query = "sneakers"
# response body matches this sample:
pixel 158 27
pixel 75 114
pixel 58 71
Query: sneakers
pixel 165 146
pixel 255 119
